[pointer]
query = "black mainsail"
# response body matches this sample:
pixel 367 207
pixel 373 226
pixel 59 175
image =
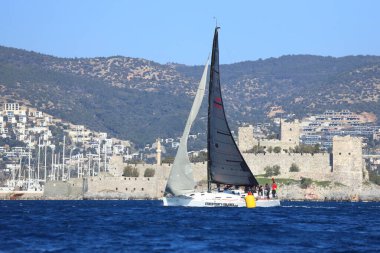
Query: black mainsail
pixel 225 163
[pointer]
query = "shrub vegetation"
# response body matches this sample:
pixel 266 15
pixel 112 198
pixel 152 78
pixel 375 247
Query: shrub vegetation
pixel 305 182
pixel 294 168
pixel 129 171
pixel 272 170
pixel 149 172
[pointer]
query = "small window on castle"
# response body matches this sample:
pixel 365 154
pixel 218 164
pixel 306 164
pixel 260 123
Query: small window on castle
pixel 349 153
pixel 116 189
pixel 142 189
pixel 340 153
pixel 134 188
pixel 290 129
pixel 125 178
pixel 290 139
pixel 126 189
pixel 135 178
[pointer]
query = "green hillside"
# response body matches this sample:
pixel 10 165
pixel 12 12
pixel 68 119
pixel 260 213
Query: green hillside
pixel 141 100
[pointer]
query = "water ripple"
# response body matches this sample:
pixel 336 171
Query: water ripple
pixel 137 226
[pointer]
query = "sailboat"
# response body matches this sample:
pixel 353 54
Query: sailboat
pixel 225 164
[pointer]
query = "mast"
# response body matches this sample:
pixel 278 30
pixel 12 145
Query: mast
pixel 88 166
pixel 78 166
pixel 38 160
pixel 45 172
pixel 69 166
pixel 29 169
pixel 212 69
pixel 105 157
pixel 63 156
pixel 52 164
pixel 98 158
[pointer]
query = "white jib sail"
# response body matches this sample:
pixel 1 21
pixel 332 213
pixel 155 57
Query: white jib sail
pixel 181 179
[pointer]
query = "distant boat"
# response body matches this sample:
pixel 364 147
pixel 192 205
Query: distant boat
pixel 225 165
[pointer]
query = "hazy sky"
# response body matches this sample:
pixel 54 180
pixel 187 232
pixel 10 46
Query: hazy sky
pixel 181 31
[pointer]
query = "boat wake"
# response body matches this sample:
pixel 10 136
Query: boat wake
pixel 309 207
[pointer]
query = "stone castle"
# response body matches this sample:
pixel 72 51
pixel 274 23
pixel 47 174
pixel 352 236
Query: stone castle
pixel 289 137
pixel 344 166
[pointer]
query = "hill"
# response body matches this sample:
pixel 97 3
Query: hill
pixel 141 100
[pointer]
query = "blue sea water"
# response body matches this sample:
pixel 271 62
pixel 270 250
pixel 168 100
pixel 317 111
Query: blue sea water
pixel 147 226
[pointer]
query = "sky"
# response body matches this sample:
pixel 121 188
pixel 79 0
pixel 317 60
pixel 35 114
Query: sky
pixel 181 31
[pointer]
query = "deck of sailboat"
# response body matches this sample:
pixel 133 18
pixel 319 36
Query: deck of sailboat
pixel 215 199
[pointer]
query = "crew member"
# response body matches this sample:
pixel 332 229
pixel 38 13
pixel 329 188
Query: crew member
pixel 274 188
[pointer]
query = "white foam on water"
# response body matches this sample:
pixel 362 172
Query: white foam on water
pixel 312 207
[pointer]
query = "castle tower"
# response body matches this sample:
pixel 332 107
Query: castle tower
pixel 348 161
pixel 158 152
pixel 290 132
pixel 245 138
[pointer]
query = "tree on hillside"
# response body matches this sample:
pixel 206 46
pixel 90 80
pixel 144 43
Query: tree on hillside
pixel 294 168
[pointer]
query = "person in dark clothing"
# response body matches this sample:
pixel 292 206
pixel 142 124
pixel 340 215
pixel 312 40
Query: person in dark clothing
pixel 267 190
pixel 260 190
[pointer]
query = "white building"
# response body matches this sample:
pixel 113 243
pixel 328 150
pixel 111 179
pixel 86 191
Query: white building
pixel 11 107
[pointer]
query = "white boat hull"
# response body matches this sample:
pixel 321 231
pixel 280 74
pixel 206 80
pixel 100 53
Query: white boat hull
pixel 215 199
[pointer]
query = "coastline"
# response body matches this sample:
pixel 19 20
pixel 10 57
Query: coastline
pixel 293 192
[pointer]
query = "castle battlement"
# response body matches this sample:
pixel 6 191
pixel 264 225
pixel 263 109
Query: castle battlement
pixel 344 165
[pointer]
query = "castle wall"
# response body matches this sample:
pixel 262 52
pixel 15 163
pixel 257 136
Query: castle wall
pixel 276 143
pixel 118 187
pixel 346 168
pixel 315 166
pixel 348 160
pixel 290 137
pixel 116 167
pixel 72 189
pixel 125 187
pixel 245 138
pixel 290 132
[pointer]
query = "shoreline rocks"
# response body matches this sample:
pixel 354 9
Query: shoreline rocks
pixel 368 192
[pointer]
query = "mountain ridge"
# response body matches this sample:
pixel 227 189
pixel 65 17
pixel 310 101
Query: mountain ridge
pixel 141 100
